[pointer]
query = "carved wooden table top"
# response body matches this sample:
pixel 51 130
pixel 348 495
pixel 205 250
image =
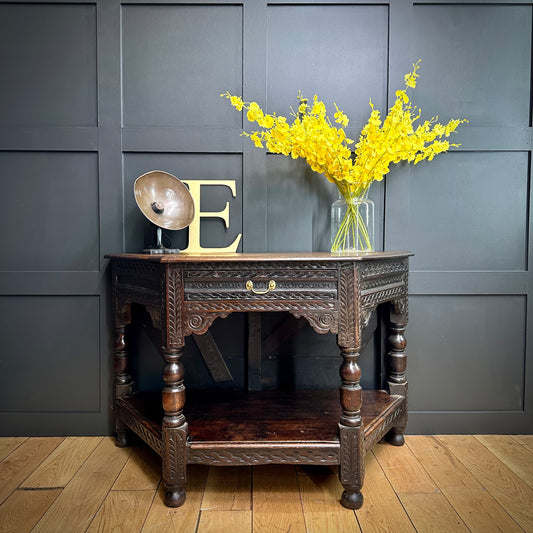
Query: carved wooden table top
pixel 185 293
pixel 263 257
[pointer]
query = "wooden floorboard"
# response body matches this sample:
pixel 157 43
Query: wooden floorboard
pixel 427 507
pixel 452 483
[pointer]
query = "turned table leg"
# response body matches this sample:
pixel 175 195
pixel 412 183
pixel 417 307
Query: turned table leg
pixel 351 467
pixel 174 428
pixel 123 384
pixel 396 365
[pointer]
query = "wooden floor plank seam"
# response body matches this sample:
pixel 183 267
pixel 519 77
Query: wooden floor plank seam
pixel 154 495
pixel 156 492
pixel 301 499
pixel 442 492
pixel 70 480
pixel 397 495
pixel 11 447
pixel 38 488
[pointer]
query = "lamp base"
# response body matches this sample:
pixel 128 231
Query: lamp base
pixel 161 250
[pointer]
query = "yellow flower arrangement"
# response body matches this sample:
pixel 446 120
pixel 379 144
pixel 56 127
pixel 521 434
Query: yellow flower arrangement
pixel 351 166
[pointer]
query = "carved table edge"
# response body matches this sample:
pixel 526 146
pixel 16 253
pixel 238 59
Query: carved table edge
pixel 153 440
pixel 379 427
pixel 260 453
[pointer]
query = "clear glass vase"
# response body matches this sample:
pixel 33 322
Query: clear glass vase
pixel 352 225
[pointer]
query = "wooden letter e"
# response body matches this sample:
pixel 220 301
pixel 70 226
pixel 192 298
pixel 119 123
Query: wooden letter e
pixel 194 228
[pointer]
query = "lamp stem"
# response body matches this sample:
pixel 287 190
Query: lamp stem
pixel 159 238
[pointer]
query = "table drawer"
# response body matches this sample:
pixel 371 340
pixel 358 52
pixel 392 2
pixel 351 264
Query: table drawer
pixel 260 285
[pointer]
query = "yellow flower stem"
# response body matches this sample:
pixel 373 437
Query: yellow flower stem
pixel 352 223
pixel 364 240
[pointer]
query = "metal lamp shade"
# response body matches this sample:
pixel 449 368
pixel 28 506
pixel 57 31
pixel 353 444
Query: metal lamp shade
pixel 164 200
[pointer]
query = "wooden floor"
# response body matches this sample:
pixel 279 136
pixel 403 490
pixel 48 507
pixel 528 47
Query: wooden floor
pixel 445 483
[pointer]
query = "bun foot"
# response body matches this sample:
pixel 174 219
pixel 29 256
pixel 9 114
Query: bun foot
pixel 121 440
pixel 395 437
pixel 352 500
pixel 175 497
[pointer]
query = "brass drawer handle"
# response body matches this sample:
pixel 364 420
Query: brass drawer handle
pixel 250 287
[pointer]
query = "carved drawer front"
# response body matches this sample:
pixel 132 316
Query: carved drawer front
pixel 261 284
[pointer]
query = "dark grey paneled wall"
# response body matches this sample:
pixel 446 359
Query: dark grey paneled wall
pixel 93 94
pixel 467 217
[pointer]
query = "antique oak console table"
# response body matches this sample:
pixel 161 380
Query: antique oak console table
pixel 184 294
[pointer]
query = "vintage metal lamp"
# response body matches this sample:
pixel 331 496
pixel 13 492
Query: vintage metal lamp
pixel 166 202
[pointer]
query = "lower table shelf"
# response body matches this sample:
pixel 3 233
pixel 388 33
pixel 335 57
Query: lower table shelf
pixel 228 428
